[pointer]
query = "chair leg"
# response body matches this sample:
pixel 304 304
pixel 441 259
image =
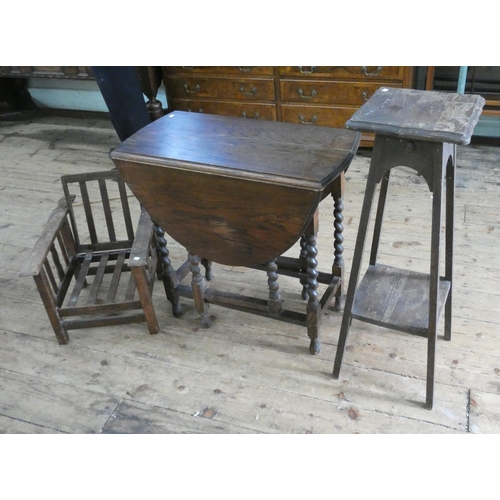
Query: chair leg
pixel 141 282
pixel 51 307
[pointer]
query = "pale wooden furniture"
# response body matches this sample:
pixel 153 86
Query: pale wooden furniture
pixel 308 95
pixel 420 130
pixel 71 72
pixel 241 193
pixel 150 78
pixel 89 265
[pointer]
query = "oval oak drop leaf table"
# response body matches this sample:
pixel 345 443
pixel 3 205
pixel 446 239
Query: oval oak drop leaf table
pixel 241 192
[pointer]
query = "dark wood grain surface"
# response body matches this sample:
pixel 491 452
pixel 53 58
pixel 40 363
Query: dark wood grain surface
pixel 396 298
pixel 234 191
pixel 415 113
pixel 281 153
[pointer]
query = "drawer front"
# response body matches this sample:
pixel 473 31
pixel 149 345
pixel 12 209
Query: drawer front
pixel 243 109
pixel 322 116
pixel 220 88
pixel 220 70
pixel 317 115
pixel 349 72
pixel 322 92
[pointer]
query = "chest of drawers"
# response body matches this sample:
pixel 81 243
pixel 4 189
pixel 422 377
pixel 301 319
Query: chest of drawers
pixel 310 95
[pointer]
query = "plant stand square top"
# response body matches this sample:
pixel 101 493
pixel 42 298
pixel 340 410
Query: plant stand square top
pixel 423 115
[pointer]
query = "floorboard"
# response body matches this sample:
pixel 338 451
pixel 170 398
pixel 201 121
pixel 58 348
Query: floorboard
pixel 246 374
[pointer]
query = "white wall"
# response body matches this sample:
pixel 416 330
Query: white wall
pixel 81 95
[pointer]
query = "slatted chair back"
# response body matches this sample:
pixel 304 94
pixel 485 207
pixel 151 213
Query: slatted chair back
pixel 100 215
pixel 89 268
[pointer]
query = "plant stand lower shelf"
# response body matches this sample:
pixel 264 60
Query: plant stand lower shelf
pixel 397 299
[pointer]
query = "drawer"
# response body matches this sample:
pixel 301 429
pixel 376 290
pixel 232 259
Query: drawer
pixel 349 72
pixel 243 109
pixel 220 88
pixel 317 115
pixel 220 70
pixel 324 92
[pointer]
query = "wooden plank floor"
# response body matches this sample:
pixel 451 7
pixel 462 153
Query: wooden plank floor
pixel 246 374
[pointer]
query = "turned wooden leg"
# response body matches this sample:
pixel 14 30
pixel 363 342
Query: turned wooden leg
pixel 198 286
pixel 313 306
pixel 274 301
pixel 207 264
pixel 168 274
pixel 150 78
pixel 338 262
pixel 303 265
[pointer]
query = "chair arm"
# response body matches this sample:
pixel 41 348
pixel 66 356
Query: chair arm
pixel 49 232
pixel 140 248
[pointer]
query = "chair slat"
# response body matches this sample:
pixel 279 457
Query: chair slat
pixel 115 280
pixel 88 211
pixel 62 246
pixel 50 276
pixel 100 309
pixel 56 220
pixel 65 284
pixel 111 320
pixel 126 209
pixel 82 274
pixel 62 266
pixel 57 261
pixel 68 241
pixel 96 285
pixel 107 210
pixel 129 296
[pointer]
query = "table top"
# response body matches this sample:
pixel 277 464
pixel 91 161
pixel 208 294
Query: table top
pixel 419 114
pixel 273 152
pixel 232 190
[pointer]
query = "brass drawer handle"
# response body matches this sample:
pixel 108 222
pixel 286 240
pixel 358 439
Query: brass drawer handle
pixel 255 115
pixel 252 92
pixel 191 111
pixel 310 96
pixel 365 95
pixel 196 89
pixel 245 69
pixel 311 69
pixel 312 122
pixel 364 69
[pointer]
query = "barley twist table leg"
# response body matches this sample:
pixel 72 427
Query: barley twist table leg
pixel 198 286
